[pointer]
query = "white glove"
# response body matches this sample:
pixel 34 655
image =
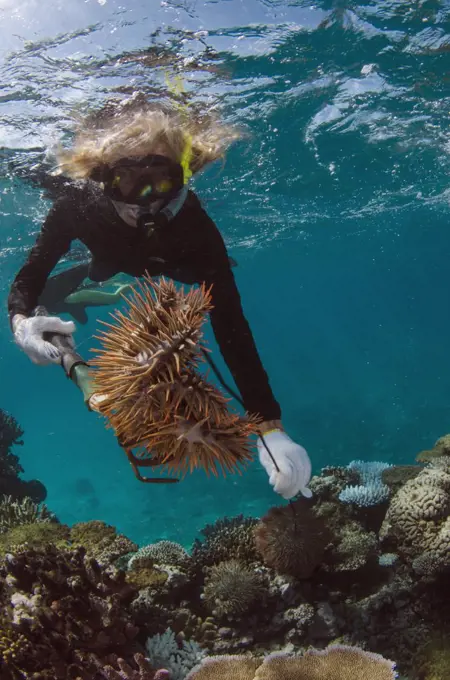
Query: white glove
pixel 293 463
pixel 29 335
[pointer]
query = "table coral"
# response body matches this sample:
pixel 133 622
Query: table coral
pixel 337 662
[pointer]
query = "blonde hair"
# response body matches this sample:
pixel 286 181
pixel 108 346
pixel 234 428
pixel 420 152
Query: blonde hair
pixel 109 135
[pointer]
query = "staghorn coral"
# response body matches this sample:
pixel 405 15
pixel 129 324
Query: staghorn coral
pixel 59 608
pixel 232 589
pixel 336 662
pixel 101 541
pixel 292 539
pixel 227 538
pixel 162 552
pixel 365 495
pixel 417 523
pixel 371 491
pixel 148 387
pixel 14 513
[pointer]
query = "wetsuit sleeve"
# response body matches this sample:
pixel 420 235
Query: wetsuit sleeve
pixel 52 243
pixel 231 328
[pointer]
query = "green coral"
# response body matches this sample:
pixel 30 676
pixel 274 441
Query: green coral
pixel 101 541
pixel 36 535
pixel 145 576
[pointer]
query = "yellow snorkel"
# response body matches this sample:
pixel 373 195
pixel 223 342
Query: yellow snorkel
pixel 175 86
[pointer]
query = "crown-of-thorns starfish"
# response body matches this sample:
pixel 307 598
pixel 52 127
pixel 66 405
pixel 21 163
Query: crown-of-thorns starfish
pixel 150 391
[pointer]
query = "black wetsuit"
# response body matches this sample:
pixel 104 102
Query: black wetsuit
pixel 189 249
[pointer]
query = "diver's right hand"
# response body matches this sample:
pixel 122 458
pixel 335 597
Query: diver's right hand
pixel 29 335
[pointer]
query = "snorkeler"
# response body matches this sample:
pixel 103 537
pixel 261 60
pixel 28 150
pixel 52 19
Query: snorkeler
pixel 136 214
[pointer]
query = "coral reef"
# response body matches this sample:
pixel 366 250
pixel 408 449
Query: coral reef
pixel 279 593
pixel 232 589
pixel 148 386
pixel 292 540
pixel 60 607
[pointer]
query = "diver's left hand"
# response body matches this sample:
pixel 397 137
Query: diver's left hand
pixel 292 460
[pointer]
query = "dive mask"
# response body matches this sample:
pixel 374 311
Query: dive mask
pixel 142 181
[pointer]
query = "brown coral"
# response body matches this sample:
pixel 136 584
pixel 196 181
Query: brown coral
pixel 148 387
pixel 60 607
pixel 101 541
pixel 441 448
pixel 292 540
pixel 417 522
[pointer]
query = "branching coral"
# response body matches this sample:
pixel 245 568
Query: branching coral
pixel 60 607
pixel 337 662
pixel 292 540
pixel 156 401
pixel 14 513
pixel 371 491
pixel 164 651
pixel 231 589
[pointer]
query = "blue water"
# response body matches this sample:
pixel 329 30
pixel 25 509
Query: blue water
pixel 336 207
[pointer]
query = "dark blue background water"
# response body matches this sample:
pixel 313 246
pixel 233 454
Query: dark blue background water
pixel 336 208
